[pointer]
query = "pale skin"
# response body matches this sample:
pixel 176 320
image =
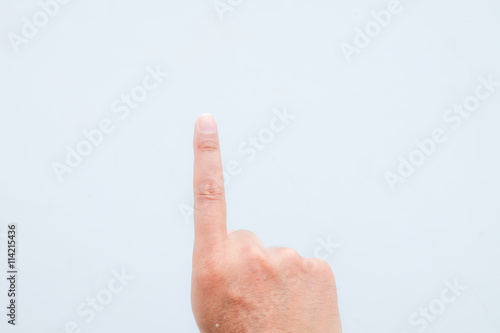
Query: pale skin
pixel 238 285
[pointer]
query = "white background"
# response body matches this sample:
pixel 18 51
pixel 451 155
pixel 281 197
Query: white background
pixel 323 176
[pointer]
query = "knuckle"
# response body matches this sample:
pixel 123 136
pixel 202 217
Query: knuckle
pixel 290 256
pixel 247 236
pixel 256 259
pixel 210 190
pixel 254 254
pixel 322 268
pixel 208 146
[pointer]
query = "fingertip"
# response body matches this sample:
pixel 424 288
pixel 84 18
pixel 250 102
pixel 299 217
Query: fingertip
pixel 206 124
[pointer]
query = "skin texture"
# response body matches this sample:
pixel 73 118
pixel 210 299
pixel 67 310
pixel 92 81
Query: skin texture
pixel 237 284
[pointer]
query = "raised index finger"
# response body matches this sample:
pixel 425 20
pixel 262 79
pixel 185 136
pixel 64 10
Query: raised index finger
pixel 208 185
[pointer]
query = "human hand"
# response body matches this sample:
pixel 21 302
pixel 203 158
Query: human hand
pixel 237 284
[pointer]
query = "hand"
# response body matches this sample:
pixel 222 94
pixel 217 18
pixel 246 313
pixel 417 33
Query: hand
pixel 240 286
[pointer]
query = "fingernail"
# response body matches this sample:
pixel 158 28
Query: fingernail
pixel 206 124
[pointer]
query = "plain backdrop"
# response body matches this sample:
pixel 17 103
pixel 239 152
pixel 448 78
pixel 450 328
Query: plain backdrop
pixel 320 181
